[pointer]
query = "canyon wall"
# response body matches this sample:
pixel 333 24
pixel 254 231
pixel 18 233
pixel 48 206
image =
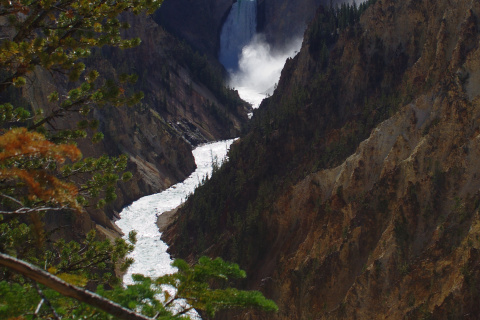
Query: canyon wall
pixel 282 21
pixel 197 22
pixel 355 193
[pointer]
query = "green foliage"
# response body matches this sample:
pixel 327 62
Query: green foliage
pixel 328 23
pixel 192 284
pixel 90 257
pixel 153 298
pixel 79 263
pixel 16 299
pixel 10 114
pixel 314 121
pixel 58 36
pixel 15 236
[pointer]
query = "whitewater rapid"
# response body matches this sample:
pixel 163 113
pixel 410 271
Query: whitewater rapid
pixel 150 253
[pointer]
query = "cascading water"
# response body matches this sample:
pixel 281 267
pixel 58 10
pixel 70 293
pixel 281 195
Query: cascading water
pixel 237 31
pixel 253 66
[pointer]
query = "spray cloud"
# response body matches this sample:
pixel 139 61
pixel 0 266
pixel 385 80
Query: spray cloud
pixel 259 68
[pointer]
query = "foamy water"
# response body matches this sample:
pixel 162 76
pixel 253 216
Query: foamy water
pixel 150 254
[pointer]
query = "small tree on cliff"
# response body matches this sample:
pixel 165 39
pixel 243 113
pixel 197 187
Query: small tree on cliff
pixel 41 166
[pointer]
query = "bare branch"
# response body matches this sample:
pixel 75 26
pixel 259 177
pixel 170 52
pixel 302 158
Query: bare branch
pixel 31 210
pixel 11 198
pixel 37 310
pixel 47 302
pixel 69 290
pixel 24 210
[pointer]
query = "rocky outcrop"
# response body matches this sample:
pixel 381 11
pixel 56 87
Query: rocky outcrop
pixel 356 194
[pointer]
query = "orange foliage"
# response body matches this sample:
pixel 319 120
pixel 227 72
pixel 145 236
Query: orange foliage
pixel 19 145
pixel 19 142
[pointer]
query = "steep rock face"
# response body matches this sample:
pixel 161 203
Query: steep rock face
pixel 198 22
pixel 185 104
pixel 181 85
pixel 282 20
pixel 355 193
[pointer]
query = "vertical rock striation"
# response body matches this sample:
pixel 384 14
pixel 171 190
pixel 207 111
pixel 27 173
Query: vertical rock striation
pixel 281 20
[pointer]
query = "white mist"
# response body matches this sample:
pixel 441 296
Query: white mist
pixel 254 67
pixel 259 69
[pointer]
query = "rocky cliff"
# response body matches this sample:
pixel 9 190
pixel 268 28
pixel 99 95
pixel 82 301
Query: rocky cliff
pixel 282 21
pixel 355 193
pixel 197 22
pixel 185 104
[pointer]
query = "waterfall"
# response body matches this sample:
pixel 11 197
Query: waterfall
pixel 237 31
pixel 254 66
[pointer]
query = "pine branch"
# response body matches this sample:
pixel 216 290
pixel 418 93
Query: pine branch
pixel 69 290
pixel 59 112
pixel 98 258
pixel 172 300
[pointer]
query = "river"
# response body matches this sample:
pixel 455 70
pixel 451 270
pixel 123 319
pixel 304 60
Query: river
pixel 150 253
pixel 254 69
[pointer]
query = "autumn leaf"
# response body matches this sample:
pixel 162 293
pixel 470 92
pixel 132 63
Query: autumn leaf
pixel 20 147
